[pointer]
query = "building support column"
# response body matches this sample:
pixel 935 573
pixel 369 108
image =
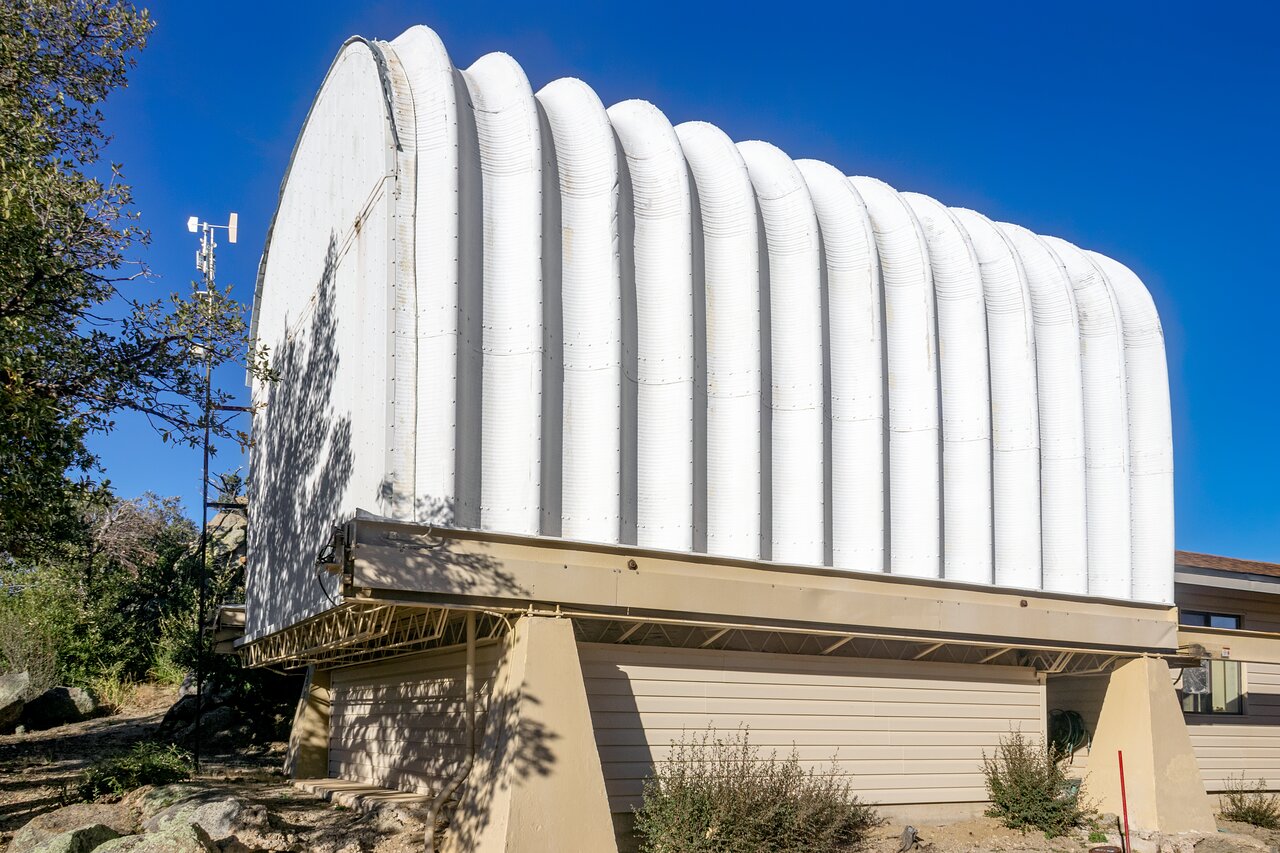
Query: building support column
pixel 1141 717
pixel 537 785
pixel 308 755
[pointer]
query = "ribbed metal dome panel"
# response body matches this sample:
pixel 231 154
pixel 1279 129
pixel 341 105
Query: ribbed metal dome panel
pixel 527 313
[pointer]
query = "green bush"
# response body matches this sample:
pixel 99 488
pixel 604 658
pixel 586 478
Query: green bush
pixel 719 794
pixel 146 764
pixel 1029 788
pixel 1250 803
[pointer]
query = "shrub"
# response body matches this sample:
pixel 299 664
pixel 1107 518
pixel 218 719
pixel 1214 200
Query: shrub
pixel 27 645
pixel 1250 803
pixel 172 650
pixel 112 690
pixel 145 764
pixel 1029 788
pixel 717 794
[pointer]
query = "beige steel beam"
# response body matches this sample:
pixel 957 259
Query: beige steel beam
pixel 450 568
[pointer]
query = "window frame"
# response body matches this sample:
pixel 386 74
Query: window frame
pixel 1208 616
pixel 1205 619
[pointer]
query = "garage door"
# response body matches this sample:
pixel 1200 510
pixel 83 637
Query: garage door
pixel 400 724
pixel 902 731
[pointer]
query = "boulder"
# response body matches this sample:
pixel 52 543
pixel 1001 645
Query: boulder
pixel 42 828
pixel 172 838
pixel 218 814
pixel 82 840
pixel 13 687
pixel 180 719
pixel 58 706
pixel 213 721
pixel 150 801
pixel 180 713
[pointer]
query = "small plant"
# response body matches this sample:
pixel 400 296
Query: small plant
pixel 112 690
pixel 1030 790
pixel 720 793
pixel 1097 836
pixel 146 763
pixel 1250 803
pixel 169 650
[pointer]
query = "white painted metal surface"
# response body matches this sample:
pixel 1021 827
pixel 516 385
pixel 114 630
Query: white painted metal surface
pixel 966 393
pixel 1015 425
pixel 530 314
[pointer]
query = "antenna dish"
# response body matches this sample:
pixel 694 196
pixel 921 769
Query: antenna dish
pixel 232 227
pixel 193 222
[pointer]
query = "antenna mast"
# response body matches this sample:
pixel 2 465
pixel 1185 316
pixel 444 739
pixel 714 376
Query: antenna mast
pixel 204 289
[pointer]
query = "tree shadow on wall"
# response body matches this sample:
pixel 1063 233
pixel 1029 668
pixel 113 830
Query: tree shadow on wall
pixel 510 749
pixel 433 562
pixel 301 462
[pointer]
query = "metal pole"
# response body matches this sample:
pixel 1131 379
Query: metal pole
pixel 202 569
pixel 1124 803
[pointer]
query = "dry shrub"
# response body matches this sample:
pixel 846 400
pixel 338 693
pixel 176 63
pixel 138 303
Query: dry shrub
pixel 1029 788
pixel 1250 803
pixel 717 794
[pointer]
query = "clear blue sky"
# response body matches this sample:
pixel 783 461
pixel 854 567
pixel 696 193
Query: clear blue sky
pixel 1147 131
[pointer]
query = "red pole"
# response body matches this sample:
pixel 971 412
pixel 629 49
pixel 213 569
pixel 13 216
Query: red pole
pixel 1124 802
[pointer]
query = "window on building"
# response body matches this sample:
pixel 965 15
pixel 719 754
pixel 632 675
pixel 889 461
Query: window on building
pixel 1216 687
pixel 1201 619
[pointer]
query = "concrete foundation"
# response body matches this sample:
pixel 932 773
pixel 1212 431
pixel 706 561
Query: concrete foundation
pixel 308 755
pixel 1141 718
pixel 537 785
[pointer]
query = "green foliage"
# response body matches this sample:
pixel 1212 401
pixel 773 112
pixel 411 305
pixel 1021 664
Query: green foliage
pixel 27 644
pixel 1097 836
pixel 1250 803
pixel 106 601
pixel 83 335
pixel 112 690
pixel 145 764
pixel 1029 788
pixel 717 794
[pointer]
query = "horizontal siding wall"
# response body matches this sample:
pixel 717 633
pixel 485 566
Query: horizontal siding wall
pixel 1248 744
pixel 1257 612
pixel 401 724
pixel 904 732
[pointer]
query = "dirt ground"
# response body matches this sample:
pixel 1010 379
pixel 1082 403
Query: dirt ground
pixel 35 767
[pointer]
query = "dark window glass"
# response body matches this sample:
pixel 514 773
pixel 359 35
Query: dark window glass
pixel 1199 619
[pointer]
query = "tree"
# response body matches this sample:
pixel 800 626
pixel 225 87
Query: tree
pixel 77 345
pixel 114 602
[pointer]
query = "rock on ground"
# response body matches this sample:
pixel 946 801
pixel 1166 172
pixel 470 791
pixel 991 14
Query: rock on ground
pixel 82 840
pixel 172 838
pixel 42 828
pixel 218 814
pixel 58 706
pixel 13 686
pixel 149 801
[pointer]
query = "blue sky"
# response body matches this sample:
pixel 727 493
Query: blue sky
pixel 1146 131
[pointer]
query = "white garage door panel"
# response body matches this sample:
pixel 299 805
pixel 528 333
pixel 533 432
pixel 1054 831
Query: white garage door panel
pixel 401 724
pixel 900 731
